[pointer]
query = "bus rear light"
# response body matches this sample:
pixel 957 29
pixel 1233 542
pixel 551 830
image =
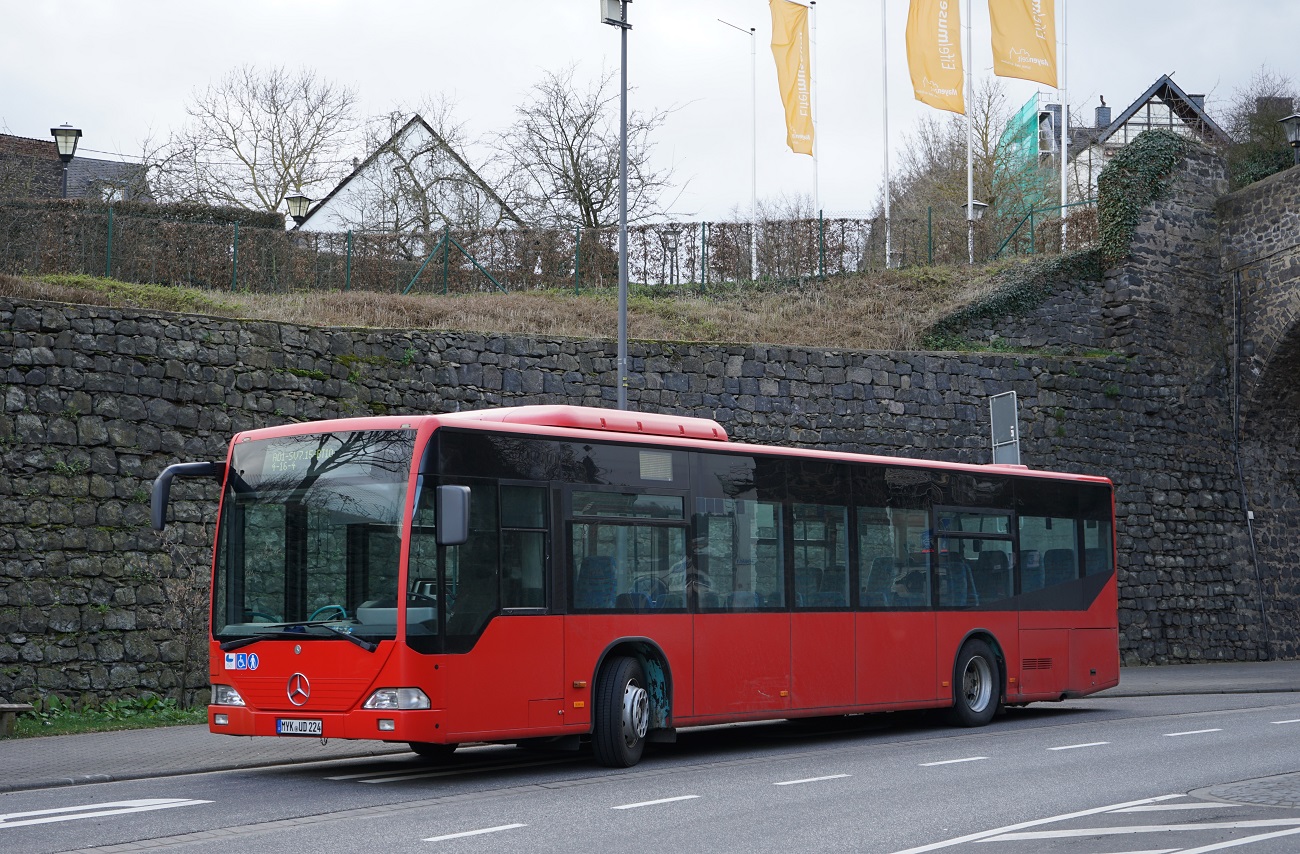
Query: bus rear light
pixel 226 695
pixel 386 725
pixel 397 698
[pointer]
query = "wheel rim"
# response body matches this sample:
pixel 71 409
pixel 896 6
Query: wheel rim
pixel 977 684
pixel 636 713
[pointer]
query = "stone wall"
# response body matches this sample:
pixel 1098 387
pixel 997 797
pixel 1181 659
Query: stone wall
pixel 1260 257
pixel 98 400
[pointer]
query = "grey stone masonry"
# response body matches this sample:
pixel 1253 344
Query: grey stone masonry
pixel 1260 282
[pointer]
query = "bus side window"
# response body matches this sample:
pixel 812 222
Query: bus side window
pixel 893 568
pixel 523 547
pixel 1098 551
pixel 473 573
pixel 1051 541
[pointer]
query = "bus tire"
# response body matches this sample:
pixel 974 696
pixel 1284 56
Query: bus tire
pixel 622 714
pixel 976 685
pixel 433 752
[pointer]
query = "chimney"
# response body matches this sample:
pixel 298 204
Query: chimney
pixel 1103 114
pixel 1198 101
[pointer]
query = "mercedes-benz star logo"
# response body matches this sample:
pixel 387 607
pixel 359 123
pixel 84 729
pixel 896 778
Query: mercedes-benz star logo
pixel 298 689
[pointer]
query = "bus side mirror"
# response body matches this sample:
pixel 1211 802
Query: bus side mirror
pixel 453 515
pixel 162 487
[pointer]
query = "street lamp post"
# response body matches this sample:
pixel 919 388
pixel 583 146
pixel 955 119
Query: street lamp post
pixel 974 211
pixel 1291 124
pixel 614 13
pixel 672 254
pixel 753 146
pixel 65 139
pixel 298 206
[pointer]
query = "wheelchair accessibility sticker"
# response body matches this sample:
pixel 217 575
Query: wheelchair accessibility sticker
pixel 241 661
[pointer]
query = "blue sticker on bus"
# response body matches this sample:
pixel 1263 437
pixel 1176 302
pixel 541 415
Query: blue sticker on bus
pixel 242 661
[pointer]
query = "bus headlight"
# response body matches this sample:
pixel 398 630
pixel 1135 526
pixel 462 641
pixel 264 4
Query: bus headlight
pixel 397 698
pixel 226 695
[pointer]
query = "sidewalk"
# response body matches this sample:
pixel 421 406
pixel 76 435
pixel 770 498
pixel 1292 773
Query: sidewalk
pixel 37 763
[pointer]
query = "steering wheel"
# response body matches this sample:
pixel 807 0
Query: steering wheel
pixel 260 617
pixel 325 609
pixel 651 585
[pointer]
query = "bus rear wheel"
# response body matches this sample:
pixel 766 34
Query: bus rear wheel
pixel 977 685
pixel 622 714
pixel 433 752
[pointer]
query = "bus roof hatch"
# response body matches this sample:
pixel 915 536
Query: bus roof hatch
pixel 596 418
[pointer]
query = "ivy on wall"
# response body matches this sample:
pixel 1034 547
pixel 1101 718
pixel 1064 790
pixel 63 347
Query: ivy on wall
pixel 1136 176
pixel 1024 288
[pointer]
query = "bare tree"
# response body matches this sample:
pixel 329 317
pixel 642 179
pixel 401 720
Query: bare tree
pixel 564 152
pixel 256 136
pixel 930 184
pixel 1259 147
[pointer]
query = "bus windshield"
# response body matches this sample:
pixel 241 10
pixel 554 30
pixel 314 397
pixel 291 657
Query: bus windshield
pixel 309 537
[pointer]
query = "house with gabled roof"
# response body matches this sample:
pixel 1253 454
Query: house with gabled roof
pixel 31 169
pixel 1164 105
pixel 415 181
pixel 1030 144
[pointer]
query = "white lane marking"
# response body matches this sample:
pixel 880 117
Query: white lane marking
pixel 653 803
pixel 953 761
pixel 1143 828
pixel 1038 822
pixel 811 780
pixel 1192 732
pixel 1077 746
pixel 1292 721
pixel 22 819
pixel 1233 843
pixel 1199 805
pixel 463 834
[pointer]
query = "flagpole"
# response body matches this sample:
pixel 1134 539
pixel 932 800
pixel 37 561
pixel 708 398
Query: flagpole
pixel 1065 121
pixel 753 154
pixel 884 83
pixel 812 91
pixel 970 143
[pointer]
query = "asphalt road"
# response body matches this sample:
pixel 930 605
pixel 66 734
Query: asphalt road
pixel 1102 775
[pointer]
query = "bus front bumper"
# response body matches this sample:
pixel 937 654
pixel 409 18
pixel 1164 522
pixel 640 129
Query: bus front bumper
pixel 425 725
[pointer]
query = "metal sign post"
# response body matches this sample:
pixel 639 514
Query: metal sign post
pixel 1005 432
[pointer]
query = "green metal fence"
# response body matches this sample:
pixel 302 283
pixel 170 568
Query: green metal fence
pixel 97 239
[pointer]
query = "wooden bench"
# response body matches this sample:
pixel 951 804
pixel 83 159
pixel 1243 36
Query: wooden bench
pixel 9 713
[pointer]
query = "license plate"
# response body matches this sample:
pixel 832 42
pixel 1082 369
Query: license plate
pixel 294 726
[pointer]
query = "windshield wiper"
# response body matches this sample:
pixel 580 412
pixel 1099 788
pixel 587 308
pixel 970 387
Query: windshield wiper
pixel 364 644
pixel 227 646
pixel 291 629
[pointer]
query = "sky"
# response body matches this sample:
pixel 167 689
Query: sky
pixel 122 71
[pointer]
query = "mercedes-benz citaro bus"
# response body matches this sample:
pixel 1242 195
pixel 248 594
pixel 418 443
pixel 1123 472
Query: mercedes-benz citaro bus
pixel 570 573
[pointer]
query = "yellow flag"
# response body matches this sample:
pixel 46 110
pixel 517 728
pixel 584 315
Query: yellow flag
pixel 793 72
pixel 934 54
pixel 1024 39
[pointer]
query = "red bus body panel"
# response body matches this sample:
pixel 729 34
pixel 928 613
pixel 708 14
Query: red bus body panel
pixel 742 665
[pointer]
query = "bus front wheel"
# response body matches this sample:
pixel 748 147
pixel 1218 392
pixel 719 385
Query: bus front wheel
pixel 977 686
pixel 622 714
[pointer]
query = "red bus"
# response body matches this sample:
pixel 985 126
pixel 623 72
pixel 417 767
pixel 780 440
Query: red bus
pixel 561 572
